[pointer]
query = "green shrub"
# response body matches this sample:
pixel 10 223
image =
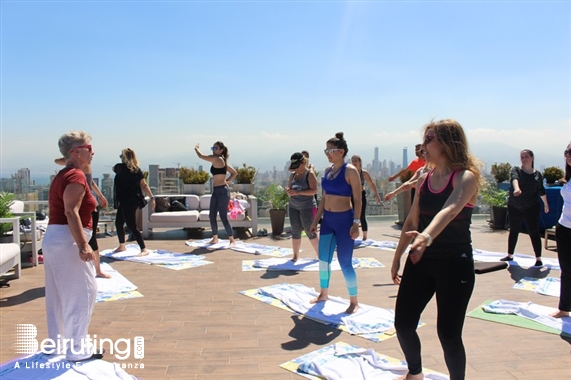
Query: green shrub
pixel 494 196
pixel 246 174
pixel 193 176
pixel 6 200
pixel 276 195
pixel 501 172
pixel 553 174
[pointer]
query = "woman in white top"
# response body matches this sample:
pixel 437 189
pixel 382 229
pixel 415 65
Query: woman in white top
pixel 563 237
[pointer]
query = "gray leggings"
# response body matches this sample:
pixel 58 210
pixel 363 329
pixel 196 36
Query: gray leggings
pixel 219 205
pixel 298 219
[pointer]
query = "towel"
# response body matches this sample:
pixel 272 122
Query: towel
pixel 305 265
pixel 548 286
pixel 532 311
pixel 519 259
pixel 344 361
pixel 159 257
pixel 368 319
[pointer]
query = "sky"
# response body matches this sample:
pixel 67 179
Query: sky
pixel 269 78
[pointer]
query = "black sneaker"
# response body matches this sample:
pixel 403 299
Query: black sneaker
pixel 507 258
pixel 538 263
pixel 96 355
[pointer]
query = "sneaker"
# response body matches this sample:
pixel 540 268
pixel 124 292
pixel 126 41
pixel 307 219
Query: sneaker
pixel 538 263
pixel 507 258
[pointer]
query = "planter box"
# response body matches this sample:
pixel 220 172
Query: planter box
pixel 192 188
pixel 244 188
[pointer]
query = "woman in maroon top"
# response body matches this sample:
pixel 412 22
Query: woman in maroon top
pixel 68 259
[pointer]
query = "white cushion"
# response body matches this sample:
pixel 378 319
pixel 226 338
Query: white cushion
pixel 17 206
pixel 9 256
pixel 190 216
pixel 205 201
pixel 192 202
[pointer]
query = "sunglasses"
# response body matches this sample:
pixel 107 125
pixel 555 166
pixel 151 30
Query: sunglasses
pixel 214 148
pixel 87 146
pixel 566 152
pixel 330 151
pixel 428 138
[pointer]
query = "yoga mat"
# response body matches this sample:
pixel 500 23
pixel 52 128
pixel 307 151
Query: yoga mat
pixel 158 257
pixel 332 357
pixel 115 288
pixel 519 259
pixel 373 336
pixel 28 367
pixel 481 267
pixel 548 286
pixel 251 248
pixel 512 320
pixel 304 265
pixel 369 243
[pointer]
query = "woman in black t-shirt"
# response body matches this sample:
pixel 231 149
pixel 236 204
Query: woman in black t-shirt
pixel 128 197
pixel 526 187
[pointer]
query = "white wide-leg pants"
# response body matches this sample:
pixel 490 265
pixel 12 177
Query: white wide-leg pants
pixel 70 292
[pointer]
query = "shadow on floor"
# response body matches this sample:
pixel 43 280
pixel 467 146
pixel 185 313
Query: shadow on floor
pixel 306 332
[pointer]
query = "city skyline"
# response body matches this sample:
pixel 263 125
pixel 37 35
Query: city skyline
pixel 268 80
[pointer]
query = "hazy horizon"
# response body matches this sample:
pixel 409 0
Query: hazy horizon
pixel 269 78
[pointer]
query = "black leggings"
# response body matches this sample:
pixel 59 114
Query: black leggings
pixel 126 213
pixel 453 282
pixel 364 225
pixel 563 237
pixel 95 221
pixel 531 217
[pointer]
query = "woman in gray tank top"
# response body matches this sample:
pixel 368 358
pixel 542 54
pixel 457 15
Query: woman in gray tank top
pixel 302 187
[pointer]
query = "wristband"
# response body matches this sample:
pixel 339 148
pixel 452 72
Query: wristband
pixel 356 221
pixel 427 237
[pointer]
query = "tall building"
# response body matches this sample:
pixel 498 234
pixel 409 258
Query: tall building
pixel 405 157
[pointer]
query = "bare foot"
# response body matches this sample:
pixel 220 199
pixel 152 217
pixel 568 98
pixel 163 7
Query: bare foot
pixel 321 298
pixel 294 258
pixel 213 241
pixel 232 243
pixel 364 237
pixel 353 307
pixel 120 248
pixel 102 274
pixel 408 376
pixel 559 314
pixel 144 252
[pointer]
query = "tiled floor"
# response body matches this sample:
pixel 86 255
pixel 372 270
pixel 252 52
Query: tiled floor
pixel 197 326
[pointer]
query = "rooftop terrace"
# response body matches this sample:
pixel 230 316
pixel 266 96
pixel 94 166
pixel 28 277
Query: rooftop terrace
pixel 197 326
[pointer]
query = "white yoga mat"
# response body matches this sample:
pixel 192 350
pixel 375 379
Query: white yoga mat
pixel 251 248
pixel 116 284
pixel 28 367
pixel 368 319
pixel 155 257
pixel 342 361
pixel 383 244
pixel 519 259
pixel 532 311
pixel 304 264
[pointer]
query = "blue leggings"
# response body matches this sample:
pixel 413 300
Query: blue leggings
pixel 334 232
pixel 219 205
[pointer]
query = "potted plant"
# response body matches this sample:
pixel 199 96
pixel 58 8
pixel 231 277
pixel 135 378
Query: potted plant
pixel 245 176
pixel 501 173
pixel 194 181
pixel 498 201
pixel 6 200
pixel 278 198
pixel 552 175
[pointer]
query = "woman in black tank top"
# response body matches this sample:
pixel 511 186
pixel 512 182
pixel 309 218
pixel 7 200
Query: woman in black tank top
pixel 440 258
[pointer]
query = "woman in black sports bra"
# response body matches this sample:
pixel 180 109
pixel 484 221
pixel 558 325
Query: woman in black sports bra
pixel 440 258
pixel 220 190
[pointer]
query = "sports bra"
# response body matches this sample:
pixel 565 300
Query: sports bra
pixel 215 171
pixel 337 185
